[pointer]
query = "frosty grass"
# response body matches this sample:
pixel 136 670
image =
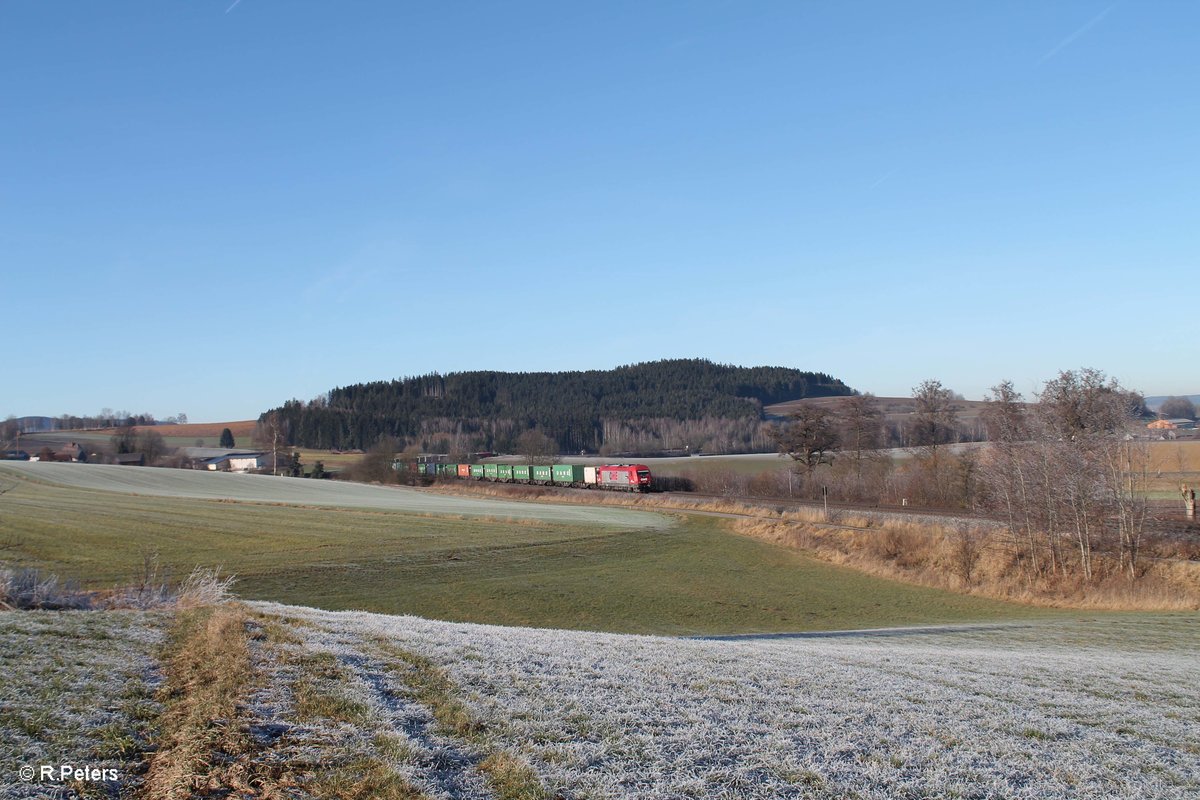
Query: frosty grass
pixel 1097 709
pixel 1103 708
pixel 75 689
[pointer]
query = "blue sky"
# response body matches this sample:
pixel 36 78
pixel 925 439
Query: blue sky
pixel 212 207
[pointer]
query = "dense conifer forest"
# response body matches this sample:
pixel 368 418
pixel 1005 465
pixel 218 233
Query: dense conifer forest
pixel 690 404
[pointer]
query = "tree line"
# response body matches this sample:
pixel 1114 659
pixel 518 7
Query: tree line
pixel 685 404
pixel 106 418
pixel 1063 471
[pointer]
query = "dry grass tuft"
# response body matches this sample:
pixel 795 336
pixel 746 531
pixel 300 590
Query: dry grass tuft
pixel 33 589
pixel 511 778
pixel 366 778
pixel 204 587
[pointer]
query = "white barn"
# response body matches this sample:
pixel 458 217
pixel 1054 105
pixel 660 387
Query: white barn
pixel 236 462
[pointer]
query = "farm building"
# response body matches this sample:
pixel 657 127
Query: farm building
pixel 1172 425
pixel 236 462
pixel 71 452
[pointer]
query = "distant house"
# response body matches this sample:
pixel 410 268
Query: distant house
pixel 235 462
pixel 130 459
pixel 1183 424
pixel 71 452
pixel 1161 425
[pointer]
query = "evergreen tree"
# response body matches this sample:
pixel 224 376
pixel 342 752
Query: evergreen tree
pixel 227 438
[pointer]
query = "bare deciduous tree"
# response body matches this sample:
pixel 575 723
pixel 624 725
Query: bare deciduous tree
pixel 271 432
pixel 809 438
pixel 861 428
pixel 537 447
pixel 10 431
pixel 151 444
pixel 1066 476
pixel 935 419
pixel 125 440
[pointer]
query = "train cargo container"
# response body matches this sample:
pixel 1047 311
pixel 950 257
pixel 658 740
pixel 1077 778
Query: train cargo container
pixel 425 469
pixel 567 473
pixel 542 474
pixel 464 470
pixel 476 470
pixel 504 472
pixel 589 475
pixel 489 471
pixel 522 472
pixel 448 470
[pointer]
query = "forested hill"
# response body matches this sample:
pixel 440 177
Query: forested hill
pixel 468 411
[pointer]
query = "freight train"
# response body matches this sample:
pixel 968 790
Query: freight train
pixel 623 477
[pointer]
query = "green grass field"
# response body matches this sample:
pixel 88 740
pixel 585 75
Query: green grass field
pixel 693 577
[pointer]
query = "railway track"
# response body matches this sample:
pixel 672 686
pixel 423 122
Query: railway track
pixel 1161 523
pixel 791 502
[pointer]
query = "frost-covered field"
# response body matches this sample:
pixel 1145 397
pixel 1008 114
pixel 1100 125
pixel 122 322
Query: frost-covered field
pixel 76 688
pixel 1106 708
pixel 205 485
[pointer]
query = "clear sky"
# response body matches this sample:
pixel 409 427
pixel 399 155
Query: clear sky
pixel 212 207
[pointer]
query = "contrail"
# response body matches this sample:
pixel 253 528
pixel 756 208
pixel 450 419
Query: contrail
pixel 232 7
pixel 886 175
pixel 1065 42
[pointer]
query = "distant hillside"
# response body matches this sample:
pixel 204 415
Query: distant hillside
pixel 693 404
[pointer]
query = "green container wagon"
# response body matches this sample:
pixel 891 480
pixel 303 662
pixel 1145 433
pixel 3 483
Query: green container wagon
pixel 568 473
pixel 504 472
pixel 489 471
pixel 542 474
pixel 521 472
pixel 477 470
